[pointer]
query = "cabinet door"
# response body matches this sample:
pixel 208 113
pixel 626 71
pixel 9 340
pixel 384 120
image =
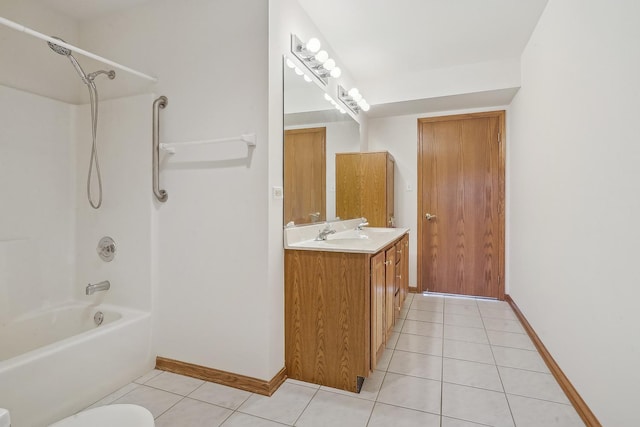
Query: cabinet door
pixel 404 269
pixel 378 332
pixel 399 294
pixel 390 197
pixel 349 180
pixel 390 280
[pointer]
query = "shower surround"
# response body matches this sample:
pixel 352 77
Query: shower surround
pixel 48 238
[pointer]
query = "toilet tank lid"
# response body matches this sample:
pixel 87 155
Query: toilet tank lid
pixel 5 419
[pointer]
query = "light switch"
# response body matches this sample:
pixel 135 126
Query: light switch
pixel 278 193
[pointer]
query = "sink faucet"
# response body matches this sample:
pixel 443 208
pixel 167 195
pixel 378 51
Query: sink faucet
pixel 102 286
pixel 363 223
pixel 322 235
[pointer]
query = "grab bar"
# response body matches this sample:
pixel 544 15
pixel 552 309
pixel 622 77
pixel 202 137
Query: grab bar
pixel 161 102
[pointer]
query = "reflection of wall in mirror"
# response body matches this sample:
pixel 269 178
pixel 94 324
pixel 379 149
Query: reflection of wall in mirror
pixel 342 136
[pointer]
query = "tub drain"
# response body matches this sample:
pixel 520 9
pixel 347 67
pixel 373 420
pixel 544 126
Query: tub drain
pixel 98 318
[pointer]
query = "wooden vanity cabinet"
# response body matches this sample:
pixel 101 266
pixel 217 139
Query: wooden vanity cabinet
pixel 340 309
pixel 365 187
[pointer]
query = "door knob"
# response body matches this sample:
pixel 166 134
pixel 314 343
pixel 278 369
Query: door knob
pixel 429 217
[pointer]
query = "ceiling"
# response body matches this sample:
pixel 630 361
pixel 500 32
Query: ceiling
pixel 88 9
pixel 384 42
pixel 379 40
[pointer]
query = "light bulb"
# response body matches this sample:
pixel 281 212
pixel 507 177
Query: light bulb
pixel 336 72
pixel 357 97
pixel 329 64
pixel 365 107
pixel 298 71
pixel 342 110
pixel 290 63
pixel 353 92
pixel 322 56
pixel 361 102
pixel 327 97
pixel 313 45
pixel 306 78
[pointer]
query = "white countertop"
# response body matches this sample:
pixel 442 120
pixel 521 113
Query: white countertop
pixel 369 240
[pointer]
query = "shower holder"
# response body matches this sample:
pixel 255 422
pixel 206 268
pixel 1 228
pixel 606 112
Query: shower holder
pixel 106 249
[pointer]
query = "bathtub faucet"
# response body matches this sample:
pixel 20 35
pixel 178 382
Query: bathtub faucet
pixel 102 286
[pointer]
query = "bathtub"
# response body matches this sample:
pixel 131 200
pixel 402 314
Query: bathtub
pixel 56 362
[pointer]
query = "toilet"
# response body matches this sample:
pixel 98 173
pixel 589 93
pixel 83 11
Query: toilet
pixel 121 415
pixel 5 420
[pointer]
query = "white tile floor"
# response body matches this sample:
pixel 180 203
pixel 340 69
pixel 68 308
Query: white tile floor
pixel 452 362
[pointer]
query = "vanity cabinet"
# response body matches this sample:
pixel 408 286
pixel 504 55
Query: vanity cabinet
pixel 364 187
pixel 340 309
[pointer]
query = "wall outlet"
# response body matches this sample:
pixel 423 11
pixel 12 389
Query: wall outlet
pixel 409 187
pixel 278 193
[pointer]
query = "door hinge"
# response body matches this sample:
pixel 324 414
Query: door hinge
pixel 499 137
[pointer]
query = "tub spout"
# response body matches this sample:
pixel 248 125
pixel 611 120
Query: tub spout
pixel 102 286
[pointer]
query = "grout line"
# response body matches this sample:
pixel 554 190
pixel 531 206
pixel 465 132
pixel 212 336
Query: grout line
pixel 169 408
pixel 504 391
pixel 306 406
pixel 542 400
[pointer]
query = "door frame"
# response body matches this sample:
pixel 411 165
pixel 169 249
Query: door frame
pixel 500 114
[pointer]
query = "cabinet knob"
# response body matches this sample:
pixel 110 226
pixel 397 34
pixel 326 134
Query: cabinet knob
pixel 387 262
pixel 399 276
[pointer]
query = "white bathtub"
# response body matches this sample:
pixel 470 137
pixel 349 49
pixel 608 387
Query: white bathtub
pixel 56 362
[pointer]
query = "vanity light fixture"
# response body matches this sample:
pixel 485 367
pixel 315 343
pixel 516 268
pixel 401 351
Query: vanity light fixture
pixel 334 103
pixel 316 60
pixel 297 70
pixel 353 99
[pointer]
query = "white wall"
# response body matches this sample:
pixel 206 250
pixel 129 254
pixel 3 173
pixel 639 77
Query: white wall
pixel 215 299
pixel 573 198
pixel 28 63
pixel 124 136
pixel 399 136
pixel 37 173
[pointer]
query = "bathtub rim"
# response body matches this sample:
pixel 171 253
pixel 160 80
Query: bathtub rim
pixel 128 316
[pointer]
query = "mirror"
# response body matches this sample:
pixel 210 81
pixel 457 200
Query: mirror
pixel 314 131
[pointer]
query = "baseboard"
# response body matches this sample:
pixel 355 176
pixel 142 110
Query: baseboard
pixel 572 394
pixel 254 385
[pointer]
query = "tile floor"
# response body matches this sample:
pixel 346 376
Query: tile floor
pixel 451 362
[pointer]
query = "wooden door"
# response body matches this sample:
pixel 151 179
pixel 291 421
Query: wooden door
pixel 460 204
pixel 305 175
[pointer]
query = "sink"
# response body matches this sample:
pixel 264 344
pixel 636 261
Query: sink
pixel 346 241
pixel 352 235
pixel 379 230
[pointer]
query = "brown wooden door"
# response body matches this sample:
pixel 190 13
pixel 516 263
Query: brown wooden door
pixel 305 175
pixel 461 186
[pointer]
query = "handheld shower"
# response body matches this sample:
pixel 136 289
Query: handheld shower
pixel 88 79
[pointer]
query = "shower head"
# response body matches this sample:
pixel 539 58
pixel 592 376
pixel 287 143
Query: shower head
pixel 59 49
pixel 86 78
pixel 67 52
